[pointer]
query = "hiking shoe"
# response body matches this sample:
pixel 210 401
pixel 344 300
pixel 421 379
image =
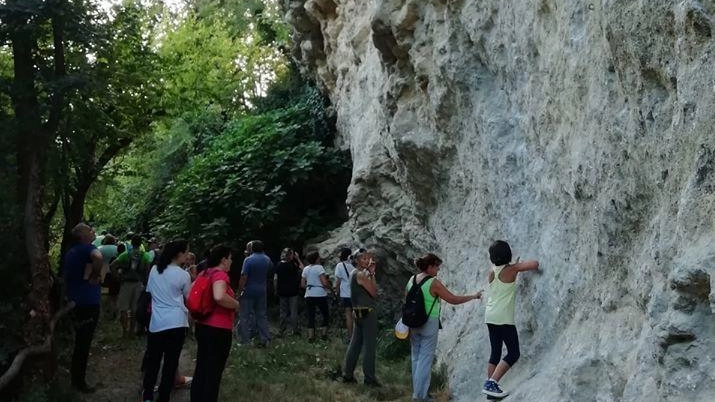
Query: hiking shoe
pixel 349 380
pixel 491 388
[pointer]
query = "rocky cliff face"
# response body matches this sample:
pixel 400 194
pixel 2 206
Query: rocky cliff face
pixel 582 133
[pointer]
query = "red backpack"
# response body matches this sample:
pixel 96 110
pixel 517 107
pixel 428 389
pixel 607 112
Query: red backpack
pixel 201 299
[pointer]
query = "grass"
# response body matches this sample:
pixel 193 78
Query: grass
pixel 290 370
pixel 293 370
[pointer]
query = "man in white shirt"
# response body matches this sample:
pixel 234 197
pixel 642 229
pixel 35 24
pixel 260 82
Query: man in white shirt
pixel 343 270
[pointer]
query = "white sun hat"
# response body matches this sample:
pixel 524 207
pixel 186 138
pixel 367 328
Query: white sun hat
pixel 402 331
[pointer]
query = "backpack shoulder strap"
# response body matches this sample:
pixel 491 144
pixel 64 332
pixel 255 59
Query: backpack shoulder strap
pixel 436 298
pixel 425 279
pixel 346 269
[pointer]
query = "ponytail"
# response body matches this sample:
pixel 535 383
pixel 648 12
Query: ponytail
pixel 170 251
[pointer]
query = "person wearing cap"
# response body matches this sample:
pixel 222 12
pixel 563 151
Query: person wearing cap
pixel 423 340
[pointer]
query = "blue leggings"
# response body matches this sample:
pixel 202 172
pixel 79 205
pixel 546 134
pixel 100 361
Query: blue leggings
pixel 503 334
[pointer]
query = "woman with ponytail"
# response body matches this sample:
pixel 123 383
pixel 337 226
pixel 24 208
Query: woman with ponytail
pixel 169 286
pixel 424 339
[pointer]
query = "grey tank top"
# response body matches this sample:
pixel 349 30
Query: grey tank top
pixel 359 297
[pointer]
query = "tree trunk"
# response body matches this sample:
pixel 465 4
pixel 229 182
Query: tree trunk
pixel 74 207
pixel 32 144
pixel 74 212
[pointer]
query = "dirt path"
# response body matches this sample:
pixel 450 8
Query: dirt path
pixel 114 366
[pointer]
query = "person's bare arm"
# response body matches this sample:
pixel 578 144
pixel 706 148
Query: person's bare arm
pixel 222 297
pixel 97 263
pixel 509 273
pixel 367 282
pixel 242 282
pixel 441 291
pixel 336 289
pixel 114 266
pixel 326 283
pixel 303 283
pixel 530 265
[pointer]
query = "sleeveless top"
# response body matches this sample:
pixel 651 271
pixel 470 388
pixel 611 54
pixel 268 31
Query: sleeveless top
pixel 429 299
pixel 359 297
pixel 501 301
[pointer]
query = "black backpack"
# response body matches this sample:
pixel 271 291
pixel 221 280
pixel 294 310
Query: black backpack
pixel 136 267
pixel 413 312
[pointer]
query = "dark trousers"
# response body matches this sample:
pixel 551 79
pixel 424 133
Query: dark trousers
pixel 503 334
pixel 164 345
pixel 84 320
pixel 212 348
pixel 364 340
pixel 253 314
pixel 314 303
pixel 289 313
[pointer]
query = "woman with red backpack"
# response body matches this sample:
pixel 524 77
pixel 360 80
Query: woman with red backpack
pixel 214 330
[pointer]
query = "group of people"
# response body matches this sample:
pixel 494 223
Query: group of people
pixel 499 318
pixel 168 282
pixel 172 269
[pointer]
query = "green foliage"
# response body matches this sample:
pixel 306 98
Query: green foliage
pixel 208 60
pixel 391 348
pixel 244 145
pixel 267 175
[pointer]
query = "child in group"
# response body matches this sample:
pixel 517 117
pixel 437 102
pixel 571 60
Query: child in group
pixel 499 315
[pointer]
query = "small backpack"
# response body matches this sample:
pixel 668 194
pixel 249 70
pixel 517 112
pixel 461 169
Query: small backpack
pixel 413 312
pixel 200 302
pixel 143 312
pixel 136 266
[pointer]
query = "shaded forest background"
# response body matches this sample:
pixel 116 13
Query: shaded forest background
pixel 187 120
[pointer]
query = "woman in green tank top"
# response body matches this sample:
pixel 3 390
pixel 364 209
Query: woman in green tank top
pixel 499 314
pixel 424 339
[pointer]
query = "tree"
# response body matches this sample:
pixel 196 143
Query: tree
pixel 271 175
pixel 78 95
pixel 118 104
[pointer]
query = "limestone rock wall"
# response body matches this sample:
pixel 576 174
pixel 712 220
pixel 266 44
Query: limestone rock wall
pixel 581 132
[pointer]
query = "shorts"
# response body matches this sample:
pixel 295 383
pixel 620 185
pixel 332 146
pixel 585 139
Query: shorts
pixel 129 296
pixel 346 302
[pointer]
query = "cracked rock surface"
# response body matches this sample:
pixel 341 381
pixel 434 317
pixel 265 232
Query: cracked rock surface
pixel 581 132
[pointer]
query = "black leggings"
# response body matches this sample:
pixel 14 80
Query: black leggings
pixel 319 303
pixel 164 345
pixel 213 347
pixel 503 334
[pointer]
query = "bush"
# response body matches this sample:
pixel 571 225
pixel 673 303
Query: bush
pixel 391 348
pixel 267 176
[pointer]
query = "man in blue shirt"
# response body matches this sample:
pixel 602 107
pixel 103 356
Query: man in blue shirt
pixel 252 288
pixel 82 267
